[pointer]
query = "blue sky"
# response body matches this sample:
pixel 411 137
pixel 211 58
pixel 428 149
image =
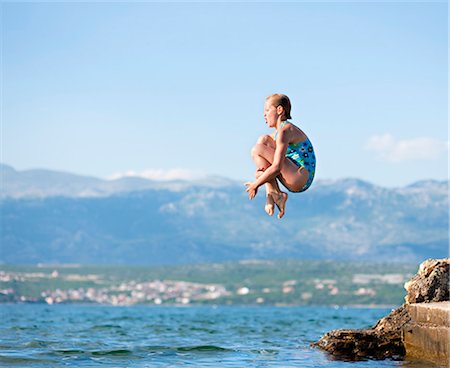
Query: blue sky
pixel 177 89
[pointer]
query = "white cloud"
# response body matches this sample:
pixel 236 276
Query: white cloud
pixel 397 150
pixel 159 174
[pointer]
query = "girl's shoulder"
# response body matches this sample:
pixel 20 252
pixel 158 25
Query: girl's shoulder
pixel 292 127
pixel 297 131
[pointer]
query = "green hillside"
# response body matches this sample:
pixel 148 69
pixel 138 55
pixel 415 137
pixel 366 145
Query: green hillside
pixel 288 282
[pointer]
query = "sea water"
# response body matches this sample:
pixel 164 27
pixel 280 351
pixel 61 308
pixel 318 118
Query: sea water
pixel 36 335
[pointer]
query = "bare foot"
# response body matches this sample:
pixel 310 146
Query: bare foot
pixel 269 207
pixel 280 200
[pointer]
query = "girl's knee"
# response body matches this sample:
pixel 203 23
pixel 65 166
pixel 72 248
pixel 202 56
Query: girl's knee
pixel 259 149
pixel 256 150
pixel 264 139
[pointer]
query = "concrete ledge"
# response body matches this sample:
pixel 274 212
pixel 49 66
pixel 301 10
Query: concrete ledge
pixel 427 335
pixel 437 313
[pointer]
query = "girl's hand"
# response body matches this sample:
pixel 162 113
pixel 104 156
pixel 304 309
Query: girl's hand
pixel 252 189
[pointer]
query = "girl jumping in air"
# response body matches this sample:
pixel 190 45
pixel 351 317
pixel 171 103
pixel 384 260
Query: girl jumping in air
pixel 287 155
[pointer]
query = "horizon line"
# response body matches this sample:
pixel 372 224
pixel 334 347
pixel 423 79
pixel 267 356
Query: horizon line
pixel 203 176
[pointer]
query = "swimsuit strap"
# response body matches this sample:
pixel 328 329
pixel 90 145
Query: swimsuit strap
pixel 281 126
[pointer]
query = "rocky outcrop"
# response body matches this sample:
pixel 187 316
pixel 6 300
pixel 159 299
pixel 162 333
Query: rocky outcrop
pixel 430 284
pixel 381 341
pixel 385 338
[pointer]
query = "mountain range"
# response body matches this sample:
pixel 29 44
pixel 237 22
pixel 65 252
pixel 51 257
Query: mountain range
pixel 56 217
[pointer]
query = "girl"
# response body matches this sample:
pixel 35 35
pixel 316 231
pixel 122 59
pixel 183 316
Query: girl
pixel 286 155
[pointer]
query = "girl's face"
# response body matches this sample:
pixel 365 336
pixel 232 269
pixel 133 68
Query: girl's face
pixel 271 114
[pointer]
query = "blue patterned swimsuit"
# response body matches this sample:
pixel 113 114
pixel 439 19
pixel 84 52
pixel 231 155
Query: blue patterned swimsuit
pixel 302 154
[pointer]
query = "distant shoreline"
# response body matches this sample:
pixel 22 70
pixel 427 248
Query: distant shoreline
pixel 277 283
pixel 193 305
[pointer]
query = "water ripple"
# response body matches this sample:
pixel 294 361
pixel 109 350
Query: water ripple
pixel 93 336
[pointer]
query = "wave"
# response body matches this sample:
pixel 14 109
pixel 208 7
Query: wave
pixel 105 327
pixel 112 352
pixel 94 353
pixel 148 349
pixel 69 351
pixel 39 343
pixel 13 360
pixel 211 348
pixel 192 348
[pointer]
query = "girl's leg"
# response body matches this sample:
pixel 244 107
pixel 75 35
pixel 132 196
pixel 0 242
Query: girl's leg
pixel 270 203
pixel 291 176
pixel 263 159
pixel 271 187
pixel 262 163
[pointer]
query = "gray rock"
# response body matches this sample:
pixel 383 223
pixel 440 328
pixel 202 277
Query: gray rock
pixel 382 340
pixel 431 282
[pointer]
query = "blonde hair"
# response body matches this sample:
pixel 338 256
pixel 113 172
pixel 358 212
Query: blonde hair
pixel 279 99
